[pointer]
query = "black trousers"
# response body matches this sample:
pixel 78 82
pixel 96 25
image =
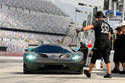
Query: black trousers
pixel 85 56
pixel 122 56
pixel 102 48
pixel 116 58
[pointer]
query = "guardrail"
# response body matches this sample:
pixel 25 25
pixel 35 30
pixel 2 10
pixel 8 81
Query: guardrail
pixel 3 53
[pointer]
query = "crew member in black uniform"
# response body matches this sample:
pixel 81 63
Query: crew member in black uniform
pixel 122 49
pixel 116 58
pixel 84 50
pixel 102 44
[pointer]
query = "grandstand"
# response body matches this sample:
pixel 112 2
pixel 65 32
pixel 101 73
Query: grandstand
pixel 18 41
pixel 38 22
pixel 42 16
pixel 23 20
pixel 36 5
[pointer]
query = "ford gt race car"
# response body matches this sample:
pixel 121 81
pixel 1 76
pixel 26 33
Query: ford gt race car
pixel 52 58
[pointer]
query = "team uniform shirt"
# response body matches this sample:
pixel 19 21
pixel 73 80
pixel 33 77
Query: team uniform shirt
pixel 102 44
pixel 101 29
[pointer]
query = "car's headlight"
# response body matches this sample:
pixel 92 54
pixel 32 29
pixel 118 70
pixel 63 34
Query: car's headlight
pixel 65 56
pixel 30 57
pixel 77 57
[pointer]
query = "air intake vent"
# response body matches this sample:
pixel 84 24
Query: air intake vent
pixel 43 55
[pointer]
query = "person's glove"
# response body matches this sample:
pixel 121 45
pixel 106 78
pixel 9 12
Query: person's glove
pixel 79 30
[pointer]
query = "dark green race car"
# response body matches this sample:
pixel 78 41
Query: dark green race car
pixel 53 58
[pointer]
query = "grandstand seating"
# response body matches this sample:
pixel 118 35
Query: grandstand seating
pixel 51 19
pixel 38 22
pixel 18 41
pixel 37 5
pixel 43 16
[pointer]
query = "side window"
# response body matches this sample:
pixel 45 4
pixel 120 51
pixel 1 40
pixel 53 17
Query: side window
pixel 104 28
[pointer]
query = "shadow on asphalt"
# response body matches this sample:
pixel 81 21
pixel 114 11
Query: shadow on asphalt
pixel 17 73
pixel 73 76
pixel 69 75
pixel 50 73
pixel 113 75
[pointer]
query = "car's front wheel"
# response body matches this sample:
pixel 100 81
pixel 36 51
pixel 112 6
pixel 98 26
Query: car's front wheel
pixel 78 69
pixel 81 71
pixel 25 70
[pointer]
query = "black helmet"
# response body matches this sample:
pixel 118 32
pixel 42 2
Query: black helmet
pixel 100 14
pixel 118 28
pixel 82 44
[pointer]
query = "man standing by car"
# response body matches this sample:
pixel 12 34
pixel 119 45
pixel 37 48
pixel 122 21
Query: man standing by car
pixel 102 44
pixel 122 49
pixel 84 50
pixel 117 45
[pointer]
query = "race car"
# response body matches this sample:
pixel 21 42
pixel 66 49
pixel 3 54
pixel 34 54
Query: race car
pixel 52 58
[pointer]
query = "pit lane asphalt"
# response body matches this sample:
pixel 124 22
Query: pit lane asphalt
pixel 12 72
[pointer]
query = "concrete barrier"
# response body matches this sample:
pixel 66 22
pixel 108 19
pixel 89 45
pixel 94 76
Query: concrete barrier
pixel 2 53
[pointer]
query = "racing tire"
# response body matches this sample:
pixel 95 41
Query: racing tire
pixel 80 70
pixel 25 70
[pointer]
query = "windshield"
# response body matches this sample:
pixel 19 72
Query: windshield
pixel 50 49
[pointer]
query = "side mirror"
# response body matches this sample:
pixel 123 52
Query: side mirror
pixel 26 50
pixel 31 49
